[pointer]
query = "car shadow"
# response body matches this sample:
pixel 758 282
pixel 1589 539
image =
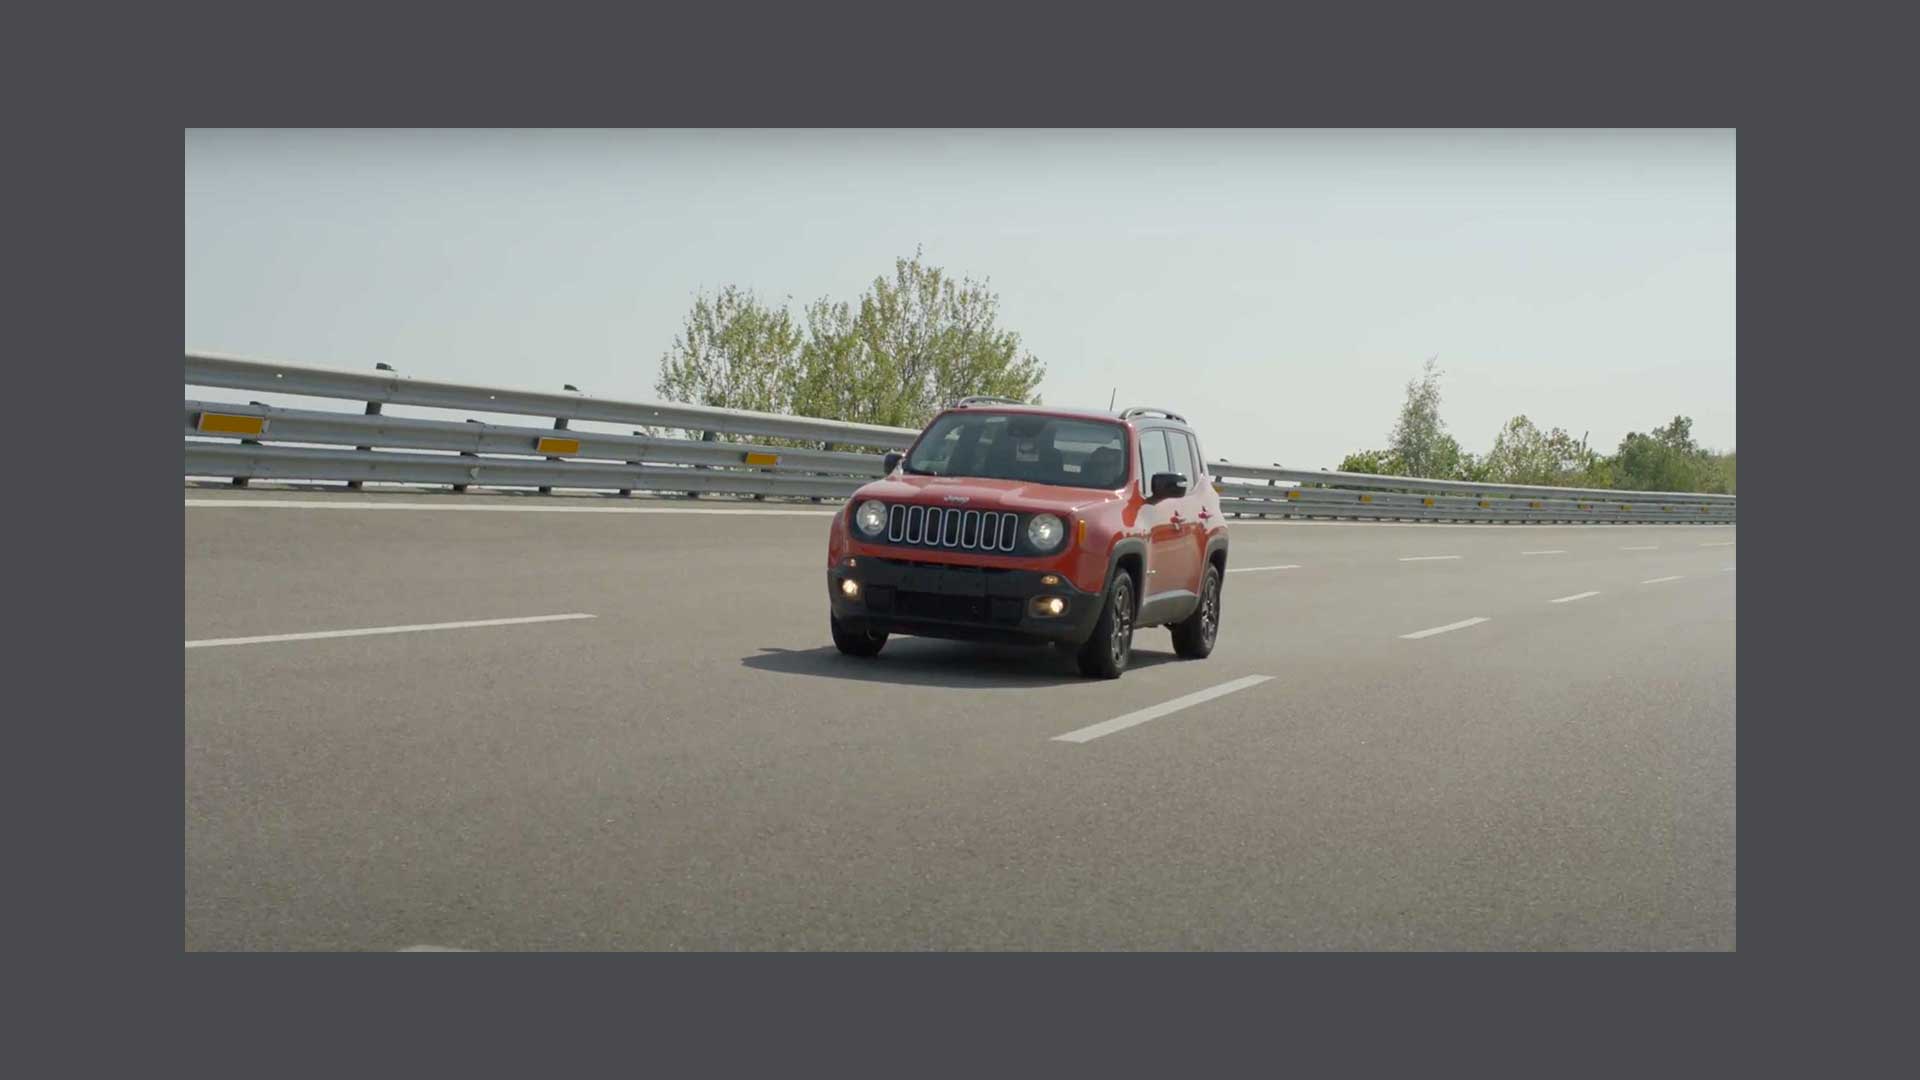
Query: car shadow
pixel 957 665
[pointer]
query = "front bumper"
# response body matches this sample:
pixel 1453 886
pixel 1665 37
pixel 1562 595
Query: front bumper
pixel 969 603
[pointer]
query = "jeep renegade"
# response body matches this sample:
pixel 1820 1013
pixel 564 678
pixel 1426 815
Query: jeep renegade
pixel 1029 524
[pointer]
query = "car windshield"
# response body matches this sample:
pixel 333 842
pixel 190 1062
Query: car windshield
pixel 1023 446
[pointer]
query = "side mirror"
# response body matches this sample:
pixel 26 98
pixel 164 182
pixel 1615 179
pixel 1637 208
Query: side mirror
pixel 890 461
pixel 1168 485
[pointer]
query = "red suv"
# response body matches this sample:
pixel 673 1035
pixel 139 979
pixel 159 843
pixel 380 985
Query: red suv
pixel 1017 523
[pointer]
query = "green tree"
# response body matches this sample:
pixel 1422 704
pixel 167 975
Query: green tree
pixel 1471 467
pixel 913 344
pixel 1377 462
pixel 1419 438
pixel 899 353
pixel 1666 460
pixel 734 352
pixel 1523 454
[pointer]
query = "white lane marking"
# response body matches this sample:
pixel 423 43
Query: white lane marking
pixel 1461 625
pixel 1575 596
pixel 1642 547
pixel 303 504
pixel 205 643
pixel 1251 569
pixel 432 948
pixel 1658 580
pixel 1726 569
pixel 1155 712
pixel 1720 543
pixel 1554 551
pixel 1425 558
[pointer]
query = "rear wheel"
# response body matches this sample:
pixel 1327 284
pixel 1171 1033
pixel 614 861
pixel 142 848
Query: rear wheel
pixel 1106 652
pixel 855 642
pixel 1193 636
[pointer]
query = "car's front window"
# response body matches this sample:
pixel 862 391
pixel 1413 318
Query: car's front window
pixel 1023 446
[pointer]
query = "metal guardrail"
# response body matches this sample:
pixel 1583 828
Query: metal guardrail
pixel 267 442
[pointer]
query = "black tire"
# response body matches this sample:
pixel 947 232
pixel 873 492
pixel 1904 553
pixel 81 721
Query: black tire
pixel 1193 637
pixel 1107 650
pixel 855 642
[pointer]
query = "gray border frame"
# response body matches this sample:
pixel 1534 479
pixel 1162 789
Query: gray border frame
pixel 107 892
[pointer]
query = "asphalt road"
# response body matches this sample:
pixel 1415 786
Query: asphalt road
pixel 694 767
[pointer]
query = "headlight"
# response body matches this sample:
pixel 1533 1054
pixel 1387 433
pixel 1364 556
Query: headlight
pixel 871 517
pixel 1046 531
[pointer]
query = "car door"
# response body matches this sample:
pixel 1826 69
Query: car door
pixel 1198 519
pixel 1171 564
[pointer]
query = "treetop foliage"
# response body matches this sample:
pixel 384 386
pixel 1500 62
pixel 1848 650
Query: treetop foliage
pixel 1418 445
pixel 894 356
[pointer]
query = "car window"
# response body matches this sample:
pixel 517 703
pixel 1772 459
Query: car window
pixel 1022 446
pixel 1185 458
pixel 1153 457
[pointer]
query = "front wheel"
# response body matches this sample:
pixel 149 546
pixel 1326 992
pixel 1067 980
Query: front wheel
pixel 1106 652
pixel 854 642
pixel 1193 636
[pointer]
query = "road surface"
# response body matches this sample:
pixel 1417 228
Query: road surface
pixel 626 729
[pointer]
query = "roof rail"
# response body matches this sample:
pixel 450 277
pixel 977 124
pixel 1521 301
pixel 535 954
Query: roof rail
pixel 1144 410
pixel 986 399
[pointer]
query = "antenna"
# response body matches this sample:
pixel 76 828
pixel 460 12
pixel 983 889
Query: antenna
pixel 1110 397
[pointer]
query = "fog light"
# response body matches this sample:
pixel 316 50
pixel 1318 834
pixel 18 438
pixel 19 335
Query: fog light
pixel 1047 606
pixel 849 588
pixel 1050 579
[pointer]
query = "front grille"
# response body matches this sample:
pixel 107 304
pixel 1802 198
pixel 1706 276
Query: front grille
pixel 953 528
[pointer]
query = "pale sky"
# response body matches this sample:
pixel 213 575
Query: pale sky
pixel 1278 288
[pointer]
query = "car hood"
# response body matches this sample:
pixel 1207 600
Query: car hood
pixel 979 494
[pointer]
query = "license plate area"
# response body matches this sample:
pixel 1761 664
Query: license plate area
pixel 945 581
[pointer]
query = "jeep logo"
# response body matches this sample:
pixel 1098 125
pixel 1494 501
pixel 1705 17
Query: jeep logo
pixel 959 498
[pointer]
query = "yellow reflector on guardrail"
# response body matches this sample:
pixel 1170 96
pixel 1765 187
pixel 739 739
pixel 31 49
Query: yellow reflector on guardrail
pixel 754 458
pixel 1536 505
pixel 558 446
pixel 1485 505
pixel 214 423
pixel 1293 494
pixel 1426 502
pixel 1366 498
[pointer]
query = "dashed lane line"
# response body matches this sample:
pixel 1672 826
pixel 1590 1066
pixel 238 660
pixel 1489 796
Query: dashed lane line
pixel 1155 712
pixel 207 643
pixel 1461 625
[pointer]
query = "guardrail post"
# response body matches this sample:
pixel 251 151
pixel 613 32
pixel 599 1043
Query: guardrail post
pixel 241 481
pixel 559 424
pixel 829 448
pixel 705 436
pixel 458 488
pixel 628 492
pixel 373 409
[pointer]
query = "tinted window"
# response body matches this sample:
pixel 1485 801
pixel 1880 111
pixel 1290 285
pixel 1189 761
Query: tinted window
pixel 1019 446
pixel 1153 457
